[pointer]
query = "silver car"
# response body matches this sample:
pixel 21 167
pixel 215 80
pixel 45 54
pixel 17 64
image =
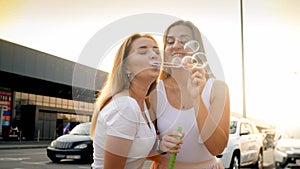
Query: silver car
pixel 287 149
pixel 245 145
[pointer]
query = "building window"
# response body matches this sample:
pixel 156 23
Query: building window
pixel 46 101
pixel 91 107
pixel 39 100
pixel 24 99
pixel 17 95
pixel 58 102
pixel 76 105
pixel 64 103
pixel 52 102
pixel 32 99
pixel 70 104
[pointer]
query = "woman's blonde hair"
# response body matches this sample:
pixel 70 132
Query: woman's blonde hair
pixel 166 72
pixel 118 79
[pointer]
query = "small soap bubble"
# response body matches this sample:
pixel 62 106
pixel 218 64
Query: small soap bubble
pixel 188 62
pixel 176 61
pixel 200 57
pixel 192 46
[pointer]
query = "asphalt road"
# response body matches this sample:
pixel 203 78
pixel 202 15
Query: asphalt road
pixel 36 158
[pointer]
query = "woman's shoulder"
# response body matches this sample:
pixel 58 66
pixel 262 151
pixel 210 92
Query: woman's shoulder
pixel 120 101
pixel 120 105
pixel 124 101
pixel 219 87
pixel 219 83
pixel 123 98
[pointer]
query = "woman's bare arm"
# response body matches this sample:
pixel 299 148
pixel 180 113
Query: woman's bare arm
pixel 116 152
pixel 214 124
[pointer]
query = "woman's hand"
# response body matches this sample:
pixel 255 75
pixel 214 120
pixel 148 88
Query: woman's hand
pixel 162 163
pixel 196 81
pixel 171 144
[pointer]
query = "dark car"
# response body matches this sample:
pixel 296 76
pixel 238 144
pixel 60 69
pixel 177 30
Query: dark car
pixel 76 145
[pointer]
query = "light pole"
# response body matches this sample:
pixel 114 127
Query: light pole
pixel 243 64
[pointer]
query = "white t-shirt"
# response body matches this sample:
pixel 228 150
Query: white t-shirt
pixel 122 118
pixel 169 118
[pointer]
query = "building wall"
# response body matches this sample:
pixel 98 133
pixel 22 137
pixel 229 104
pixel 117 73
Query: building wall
pixel 28 62
pixel 25 70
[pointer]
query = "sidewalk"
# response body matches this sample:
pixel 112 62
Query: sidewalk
pixel 23 144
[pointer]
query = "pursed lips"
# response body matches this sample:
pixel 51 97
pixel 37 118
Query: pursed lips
pixel 155 64
pixel 178 54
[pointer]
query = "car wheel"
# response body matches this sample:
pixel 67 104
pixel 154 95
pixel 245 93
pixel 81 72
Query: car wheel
pixel 278 165
pixel 260 162
pixel 235 161
pixel 88 160
pixel 55 160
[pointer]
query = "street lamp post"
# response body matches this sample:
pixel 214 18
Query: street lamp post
pixel 243 65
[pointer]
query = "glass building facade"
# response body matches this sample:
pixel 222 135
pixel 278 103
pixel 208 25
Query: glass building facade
pixel 53 116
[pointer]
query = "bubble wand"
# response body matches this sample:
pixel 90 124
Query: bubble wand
pixel 193 57
pixel 173 155
pixel 186 62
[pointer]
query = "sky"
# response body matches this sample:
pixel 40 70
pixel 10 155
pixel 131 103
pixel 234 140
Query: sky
pixel 271 39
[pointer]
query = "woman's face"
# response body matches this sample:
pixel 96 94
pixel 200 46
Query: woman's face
pixel 143 51
pixel 177 37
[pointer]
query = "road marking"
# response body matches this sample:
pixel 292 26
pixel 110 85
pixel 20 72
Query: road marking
pixel 26 154
pixel 13 159
pixel 39 163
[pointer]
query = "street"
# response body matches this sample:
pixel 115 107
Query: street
pixel 36 158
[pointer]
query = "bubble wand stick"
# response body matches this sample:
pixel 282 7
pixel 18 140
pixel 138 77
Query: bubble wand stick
pixel 173 155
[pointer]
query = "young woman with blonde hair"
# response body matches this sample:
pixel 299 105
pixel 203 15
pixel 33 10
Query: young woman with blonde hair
pixel 122 131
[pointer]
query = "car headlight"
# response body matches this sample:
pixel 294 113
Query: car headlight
pixel 53 144
pixel 81 146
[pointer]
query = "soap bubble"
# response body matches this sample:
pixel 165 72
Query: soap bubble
pixel 192 46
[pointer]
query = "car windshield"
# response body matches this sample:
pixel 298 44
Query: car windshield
pixel 293 133
pixel 81 129
pixel 233 127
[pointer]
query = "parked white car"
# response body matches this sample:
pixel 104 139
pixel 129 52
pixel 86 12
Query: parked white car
pixel 287 149
pixel 245 145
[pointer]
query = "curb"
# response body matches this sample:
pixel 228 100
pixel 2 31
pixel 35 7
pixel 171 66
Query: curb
pixel 5 147
pixel 23 144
